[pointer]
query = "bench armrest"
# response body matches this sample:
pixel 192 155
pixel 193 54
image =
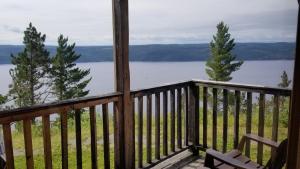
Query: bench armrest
pixel 259 139
pixel 212 154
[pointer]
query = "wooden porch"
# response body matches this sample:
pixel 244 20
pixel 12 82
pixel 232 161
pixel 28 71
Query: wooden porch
pixel 173 124
pixel 152 127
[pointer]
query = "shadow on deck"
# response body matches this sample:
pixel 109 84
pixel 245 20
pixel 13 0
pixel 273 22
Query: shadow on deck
pixel 184 160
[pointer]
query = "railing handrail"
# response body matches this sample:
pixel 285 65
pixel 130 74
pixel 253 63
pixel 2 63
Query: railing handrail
pixel 54 107
pixel 160 88
pixel 244 87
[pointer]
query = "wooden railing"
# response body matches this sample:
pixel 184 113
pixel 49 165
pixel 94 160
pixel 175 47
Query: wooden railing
pixel 223 89
pixel 62 109
pixel 170 107
pixel 169 119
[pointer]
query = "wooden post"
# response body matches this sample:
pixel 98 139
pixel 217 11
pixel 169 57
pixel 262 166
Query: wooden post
pixel 293 159
pixel 122 84
pixel 193 116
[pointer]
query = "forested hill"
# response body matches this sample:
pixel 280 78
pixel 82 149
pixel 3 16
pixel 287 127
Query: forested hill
pixel 171 52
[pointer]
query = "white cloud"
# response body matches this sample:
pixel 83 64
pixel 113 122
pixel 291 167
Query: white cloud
pixel 89 22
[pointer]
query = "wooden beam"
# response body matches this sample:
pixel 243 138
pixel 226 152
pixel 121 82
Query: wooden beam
pixel 47 142
pixel 28 143
pixel 8 145
pixel 122 84
pixel 93 130
pixel 78 139
pixel 294 125
pixel 225 119
pixel 193 116
pixel 106 136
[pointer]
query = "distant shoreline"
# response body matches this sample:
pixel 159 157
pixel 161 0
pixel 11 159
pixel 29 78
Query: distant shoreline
pixel 8 64
pixel 169 52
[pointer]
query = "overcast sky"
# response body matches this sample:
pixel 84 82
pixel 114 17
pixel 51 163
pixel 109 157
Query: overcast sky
pixel 89 22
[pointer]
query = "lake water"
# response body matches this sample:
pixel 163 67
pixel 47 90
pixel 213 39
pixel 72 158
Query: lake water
pixel 149 74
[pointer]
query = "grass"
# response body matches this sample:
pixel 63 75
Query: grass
pixel 18 140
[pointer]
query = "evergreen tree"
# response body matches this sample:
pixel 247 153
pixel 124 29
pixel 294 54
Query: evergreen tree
pixel 68 80
pixel 285 82
pixel 222 62
pixel 3 100
pixel 29 81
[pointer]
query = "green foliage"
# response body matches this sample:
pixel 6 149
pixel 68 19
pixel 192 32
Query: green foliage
pixel 3 100
pixel 284 112
pixel 285 82
pixel 68 80
pixel 222 62
pixel 31 67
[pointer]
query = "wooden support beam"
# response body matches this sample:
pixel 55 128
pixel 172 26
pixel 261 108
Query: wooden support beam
pixel 294 125
pixel 126 153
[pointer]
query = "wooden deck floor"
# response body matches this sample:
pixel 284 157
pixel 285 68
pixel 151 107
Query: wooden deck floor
pixel 183 160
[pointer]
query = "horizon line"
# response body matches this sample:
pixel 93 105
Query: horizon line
pixel 148 44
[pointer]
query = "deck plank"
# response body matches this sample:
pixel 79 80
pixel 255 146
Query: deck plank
pixel 183 160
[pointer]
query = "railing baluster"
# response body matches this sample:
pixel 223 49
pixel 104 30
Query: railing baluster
pixel 106 136
pixel 261 121
pixel 205 117
pixel 275 121
pixel 78 138
pixel 28 143
pixel 194 117
pixel 140 132
pixel 186 101
pixel 10 164
pixel 134 123
pixel 165 123
pixel 172 95
pixel 225 119
pixel 93 131
pixel 157 125
pixel 64 139
pixel 179 128
pixel 47 142
pixel 236 118
pixel 149 129
pixel 215 114
pixel 248 122
pixel 118 134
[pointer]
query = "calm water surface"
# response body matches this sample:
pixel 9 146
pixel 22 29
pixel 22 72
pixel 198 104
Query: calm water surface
pixel 149 74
